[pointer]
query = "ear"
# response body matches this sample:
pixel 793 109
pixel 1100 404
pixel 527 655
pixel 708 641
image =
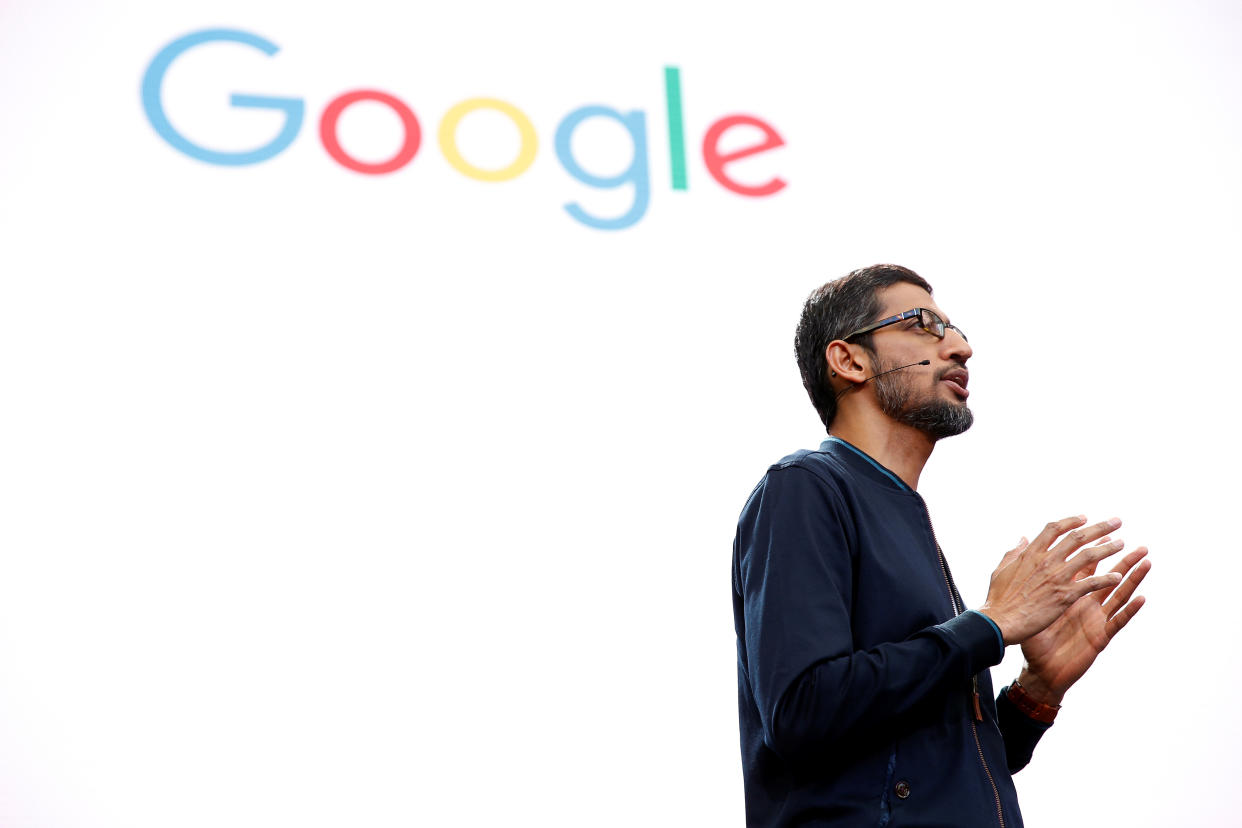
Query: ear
pixel 844 362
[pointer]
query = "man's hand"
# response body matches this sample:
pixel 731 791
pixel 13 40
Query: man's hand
pixel 1035 583
pixel 1058 656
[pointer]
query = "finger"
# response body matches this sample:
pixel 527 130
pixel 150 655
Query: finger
pixel 1083 535
pixel 1023 543
pixel 1092 555
pixel 1122 594
pixel 1056 529
pixel 1106 581
pixel 1085 571
pixel 1090 570
pixel 1122 618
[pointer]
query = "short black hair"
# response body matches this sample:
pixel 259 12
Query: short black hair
pixel 830 313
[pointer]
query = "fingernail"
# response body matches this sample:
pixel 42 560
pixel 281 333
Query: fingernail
pixel 1114 522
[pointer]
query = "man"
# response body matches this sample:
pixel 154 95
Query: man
pixel 864 693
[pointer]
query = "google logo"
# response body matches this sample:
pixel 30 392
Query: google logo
pixel 715 158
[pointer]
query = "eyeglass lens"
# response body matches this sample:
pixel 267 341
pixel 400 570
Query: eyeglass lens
pixel 935 326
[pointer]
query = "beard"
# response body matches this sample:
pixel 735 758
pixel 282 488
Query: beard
pixel 933 416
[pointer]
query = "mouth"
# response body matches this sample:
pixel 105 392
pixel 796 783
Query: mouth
pixel 956 379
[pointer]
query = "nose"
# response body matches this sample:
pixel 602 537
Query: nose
pixel 954 347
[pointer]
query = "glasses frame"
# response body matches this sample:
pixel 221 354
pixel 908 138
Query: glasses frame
pixel 938 329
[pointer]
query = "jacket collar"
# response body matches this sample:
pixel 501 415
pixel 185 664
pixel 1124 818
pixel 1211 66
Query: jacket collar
pixel 858 459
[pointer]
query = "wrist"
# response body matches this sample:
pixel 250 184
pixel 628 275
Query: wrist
pixel 1038 689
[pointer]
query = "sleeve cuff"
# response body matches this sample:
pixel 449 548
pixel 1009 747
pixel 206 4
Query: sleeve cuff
pixel 976 635
pixel 999 637
pixel 1021 733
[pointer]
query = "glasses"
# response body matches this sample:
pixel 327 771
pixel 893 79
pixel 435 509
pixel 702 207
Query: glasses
pixel 928 321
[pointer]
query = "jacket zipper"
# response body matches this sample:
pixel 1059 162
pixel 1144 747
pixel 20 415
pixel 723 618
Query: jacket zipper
pixel 974 680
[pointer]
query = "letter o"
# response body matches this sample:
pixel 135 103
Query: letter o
pixel 448 139
pixel 332 113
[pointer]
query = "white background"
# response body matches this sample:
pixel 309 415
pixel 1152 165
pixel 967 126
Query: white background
pixel 328 499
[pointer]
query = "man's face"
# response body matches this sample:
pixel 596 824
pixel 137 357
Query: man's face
pixel 931 398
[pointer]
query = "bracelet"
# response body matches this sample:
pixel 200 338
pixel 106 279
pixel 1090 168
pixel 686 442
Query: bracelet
pixel 1036 710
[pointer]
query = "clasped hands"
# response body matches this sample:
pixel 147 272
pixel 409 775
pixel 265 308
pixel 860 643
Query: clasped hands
pixel 1046 596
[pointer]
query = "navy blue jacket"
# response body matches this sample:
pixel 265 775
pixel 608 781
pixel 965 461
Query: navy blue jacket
pixel 857 668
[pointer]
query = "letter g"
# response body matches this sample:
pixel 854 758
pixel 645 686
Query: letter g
pixel 152 85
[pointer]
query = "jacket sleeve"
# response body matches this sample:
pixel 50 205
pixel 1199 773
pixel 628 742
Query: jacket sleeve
pixel 1020 732
pixel 795 576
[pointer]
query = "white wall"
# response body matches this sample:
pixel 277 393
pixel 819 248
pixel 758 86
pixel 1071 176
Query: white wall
pixel 335 499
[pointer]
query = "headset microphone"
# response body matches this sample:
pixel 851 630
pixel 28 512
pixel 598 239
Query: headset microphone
pixel 882 373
